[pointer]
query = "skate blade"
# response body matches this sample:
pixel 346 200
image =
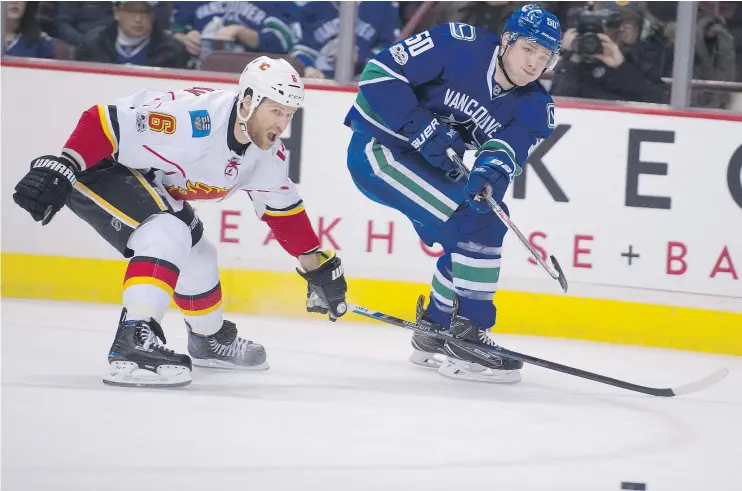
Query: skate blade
pixel 460 371
pixel 225 365
pixel 128 374
pixel 427 360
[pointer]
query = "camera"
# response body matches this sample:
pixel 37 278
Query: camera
pixel 589 24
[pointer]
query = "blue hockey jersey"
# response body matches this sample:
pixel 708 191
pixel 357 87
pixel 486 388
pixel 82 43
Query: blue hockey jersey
pixel 377 27
pixel 188 16
pixel 272 20
pixel 40 48
pixel 449 72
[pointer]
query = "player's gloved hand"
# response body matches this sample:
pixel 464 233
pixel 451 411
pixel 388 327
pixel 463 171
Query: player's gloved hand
pixel 432 138
pixel 489 175
pixel 44 190
pixel 326 286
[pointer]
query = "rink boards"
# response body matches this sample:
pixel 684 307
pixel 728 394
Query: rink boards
pixel 642 210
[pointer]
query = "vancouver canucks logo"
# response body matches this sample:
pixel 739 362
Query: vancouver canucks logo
pixel 534 16
pixel 467 129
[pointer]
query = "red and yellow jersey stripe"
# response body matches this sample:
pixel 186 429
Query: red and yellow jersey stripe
pixel 144 270
pixel 294 209
pixel 201 304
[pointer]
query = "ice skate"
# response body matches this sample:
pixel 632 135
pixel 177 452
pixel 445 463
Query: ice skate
pixel 464 363
pixel 427 350
pixel 137 359
pixel 226 349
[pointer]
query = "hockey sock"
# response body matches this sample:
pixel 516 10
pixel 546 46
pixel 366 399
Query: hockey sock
pixel 441 293
pixel 148 287
pixel 475 279
pixel 203 312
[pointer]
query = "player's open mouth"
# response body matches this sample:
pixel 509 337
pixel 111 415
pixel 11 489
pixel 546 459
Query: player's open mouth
pixel 272 137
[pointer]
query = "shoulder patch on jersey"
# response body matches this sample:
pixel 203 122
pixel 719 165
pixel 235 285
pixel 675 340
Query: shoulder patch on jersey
pixel 462 32
pixel 141 122
pixel 200 123
pixel 535 111
pixel 161 123
pixel 399 54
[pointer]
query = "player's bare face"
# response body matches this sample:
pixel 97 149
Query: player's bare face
pixel 525 61
pixel 268 122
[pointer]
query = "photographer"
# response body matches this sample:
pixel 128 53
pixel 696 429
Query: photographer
pixel 614 53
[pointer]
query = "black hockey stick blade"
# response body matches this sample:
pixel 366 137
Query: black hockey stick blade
pixel 488 352
pixel 561 279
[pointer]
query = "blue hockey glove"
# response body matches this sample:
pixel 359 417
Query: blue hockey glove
pixel 432 139
pixel 493 172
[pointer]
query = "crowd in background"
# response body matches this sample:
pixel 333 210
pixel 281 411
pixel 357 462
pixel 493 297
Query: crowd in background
pixel 611 50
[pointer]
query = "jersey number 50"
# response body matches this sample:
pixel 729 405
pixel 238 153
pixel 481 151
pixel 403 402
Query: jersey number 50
pixel 419 43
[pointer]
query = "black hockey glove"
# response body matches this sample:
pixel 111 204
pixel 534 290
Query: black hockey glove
pixel 44 190
pixel 326 286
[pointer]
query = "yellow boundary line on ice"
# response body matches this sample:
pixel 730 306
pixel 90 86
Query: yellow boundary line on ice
pixel 269 293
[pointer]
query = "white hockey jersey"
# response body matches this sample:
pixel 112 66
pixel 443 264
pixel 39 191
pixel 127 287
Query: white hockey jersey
pixel 184 135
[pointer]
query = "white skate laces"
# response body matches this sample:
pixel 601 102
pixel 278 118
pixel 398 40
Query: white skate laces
pixel 484 338
pixel 149 340
pixel 236 349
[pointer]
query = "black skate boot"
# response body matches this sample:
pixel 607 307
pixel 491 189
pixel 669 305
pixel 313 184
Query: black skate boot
pixel 425 348
pixel 139 360
pixel 226 349
pixel 464 362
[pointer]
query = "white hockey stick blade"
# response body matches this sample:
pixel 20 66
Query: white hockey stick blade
pixel 704 383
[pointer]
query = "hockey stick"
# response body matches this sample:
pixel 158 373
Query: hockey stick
pixel 47 215
pixel 491 353
pixel 556 272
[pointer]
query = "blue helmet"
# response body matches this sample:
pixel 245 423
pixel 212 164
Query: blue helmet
pixel 536 24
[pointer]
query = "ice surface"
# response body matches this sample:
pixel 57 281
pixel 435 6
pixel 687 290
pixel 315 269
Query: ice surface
pixel 342 409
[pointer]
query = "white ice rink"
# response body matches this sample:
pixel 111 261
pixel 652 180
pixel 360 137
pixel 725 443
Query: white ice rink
pixel 342 409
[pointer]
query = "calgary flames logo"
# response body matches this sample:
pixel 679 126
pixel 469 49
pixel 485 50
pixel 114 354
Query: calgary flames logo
pixel 196 191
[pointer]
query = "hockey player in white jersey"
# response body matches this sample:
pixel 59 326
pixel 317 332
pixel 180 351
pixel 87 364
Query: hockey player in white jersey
pixel 129 170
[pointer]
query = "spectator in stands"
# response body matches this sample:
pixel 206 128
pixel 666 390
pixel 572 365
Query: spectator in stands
pixel 377 28
pixel 133 38
pixel 490 15
pixel 734 24
pixel 264 27
pixel 191 20
pixel 627 64
pixel 46 18
pixel 76 19
pixel 715 53
pixel 23 37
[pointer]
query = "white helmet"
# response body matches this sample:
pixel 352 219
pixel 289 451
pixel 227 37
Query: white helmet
pixel 274 79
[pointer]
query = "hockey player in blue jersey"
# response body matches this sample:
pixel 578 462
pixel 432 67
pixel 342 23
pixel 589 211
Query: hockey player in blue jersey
pixel 463 88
